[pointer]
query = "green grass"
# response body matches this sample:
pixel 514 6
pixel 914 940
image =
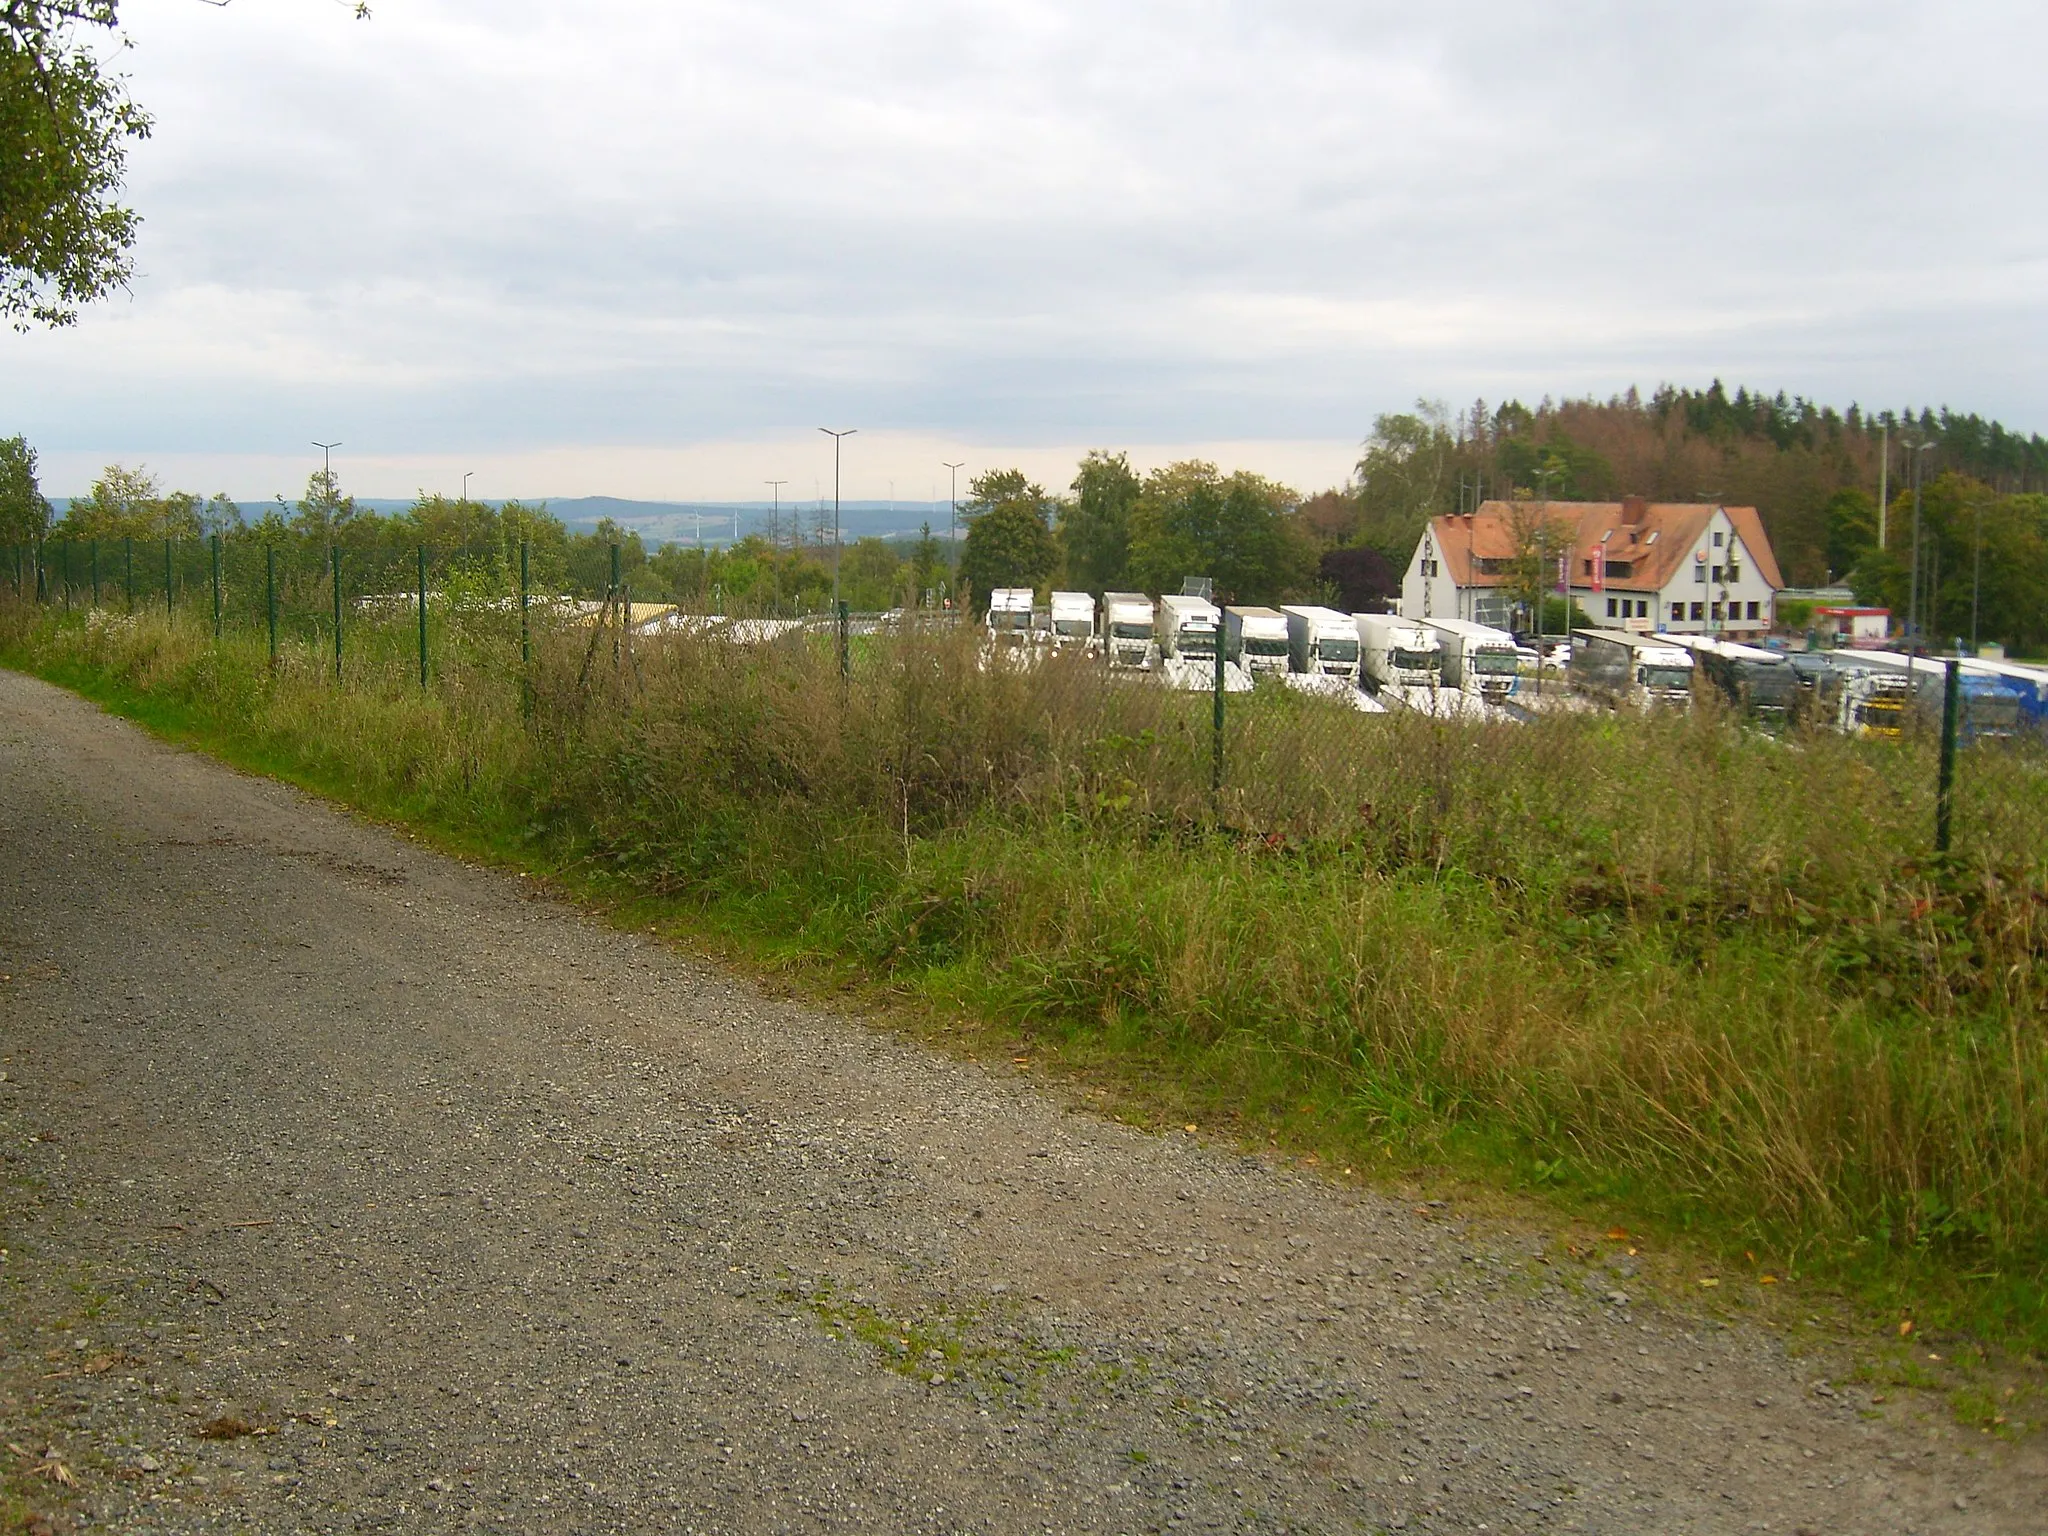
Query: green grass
pixel 1663 972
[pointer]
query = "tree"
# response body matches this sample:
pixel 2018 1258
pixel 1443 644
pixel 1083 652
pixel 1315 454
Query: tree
pixel 1852 530
pixel 1095 525
pixel 1403 476
pixel 868 576
pixel 1008 545
pixel 24 514
pixel 926 563
pixel 1540 539
pixel 1191 520
pixel 1362 577
pixel 129 504
pixel 65 127
pixel 994 488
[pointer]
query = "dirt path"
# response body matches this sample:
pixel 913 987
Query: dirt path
pixel 494 1219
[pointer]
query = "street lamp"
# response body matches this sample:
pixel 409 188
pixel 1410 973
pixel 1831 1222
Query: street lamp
pixel 775 520
pixel 1918 450
pixel 327 476
pixel 837 437
pixel 953 515
pixel 465 483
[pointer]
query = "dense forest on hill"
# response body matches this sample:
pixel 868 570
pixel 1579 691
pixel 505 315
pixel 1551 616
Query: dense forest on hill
pixel 1813 473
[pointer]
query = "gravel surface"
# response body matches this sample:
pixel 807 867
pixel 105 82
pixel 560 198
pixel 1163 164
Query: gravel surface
pixel 348 1188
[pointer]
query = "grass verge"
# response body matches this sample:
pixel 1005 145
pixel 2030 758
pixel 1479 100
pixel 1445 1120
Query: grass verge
pixel 1658 973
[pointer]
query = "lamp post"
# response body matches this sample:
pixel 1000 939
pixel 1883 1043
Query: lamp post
pixel 1976 576
pixel 327 473
pixel 465 483
pixel 1918 451
pixel 953 512
pixel 838 437
pixel 775 521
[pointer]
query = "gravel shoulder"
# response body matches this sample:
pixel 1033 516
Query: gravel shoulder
pixel 350 1188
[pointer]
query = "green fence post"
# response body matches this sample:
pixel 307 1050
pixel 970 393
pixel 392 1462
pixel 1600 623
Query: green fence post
pixel 42 570
pixel 1945 782
pixel 525 633
pixel 67 575
pixel 215 542
pixel 845 656
pixel 95 573
pixel 334 559
pixel 170 586
pixel 423 617
pixel 270 597
pixel 1216 715
pixel 128 570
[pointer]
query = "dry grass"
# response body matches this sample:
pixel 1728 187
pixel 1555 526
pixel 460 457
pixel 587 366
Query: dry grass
pixel 1659 962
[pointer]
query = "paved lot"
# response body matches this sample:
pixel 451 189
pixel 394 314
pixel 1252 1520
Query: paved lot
pixel 485 1217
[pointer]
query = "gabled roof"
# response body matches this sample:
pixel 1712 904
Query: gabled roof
pixel 1653 538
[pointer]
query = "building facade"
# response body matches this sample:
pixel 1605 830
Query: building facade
pixel 1683 568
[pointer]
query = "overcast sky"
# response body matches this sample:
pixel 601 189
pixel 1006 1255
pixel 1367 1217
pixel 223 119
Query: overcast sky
pixel 646 247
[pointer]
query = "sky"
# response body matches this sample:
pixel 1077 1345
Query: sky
pixel 646 249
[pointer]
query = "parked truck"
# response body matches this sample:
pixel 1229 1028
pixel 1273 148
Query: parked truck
pixel 1478 660
pixel 1321 642
pixel 1257 639
pixel 1623 669
pixel 1398 654
pixel 1073 619
pixel 1188 630
pixel 1127 631
pixel 1760 683
pixel 1009 615
pixel 1990 706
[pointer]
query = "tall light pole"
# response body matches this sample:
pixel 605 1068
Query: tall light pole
pixel 327 477
pixel 953 516
pixel 837 437
pixel 1977 577
pixel 775 522
pixel 1919 451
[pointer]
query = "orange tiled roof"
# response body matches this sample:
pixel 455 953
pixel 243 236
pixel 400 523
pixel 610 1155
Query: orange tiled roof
pixel 1489 535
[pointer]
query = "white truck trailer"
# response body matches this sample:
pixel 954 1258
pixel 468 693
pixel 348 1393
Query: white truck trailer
pixel 1619 668
pixel 1073 619
pixel 1399 654
pixel 1257 639
pixel 1321 642
pixel 1479 661
pixel 1758 682
pixel 1009 615
pixel 1127 638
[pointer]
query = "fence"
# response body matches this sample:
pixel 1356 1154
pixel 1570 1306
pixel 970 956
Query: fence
pixel 1190 738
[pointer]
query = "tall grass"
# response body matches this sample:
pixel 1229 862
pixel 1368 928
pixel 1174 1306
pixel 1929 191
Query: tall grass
pixel 1662 961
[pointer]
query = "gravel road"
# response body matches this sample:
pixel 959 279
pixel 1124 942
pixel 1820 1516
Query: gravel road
pixel 349 1188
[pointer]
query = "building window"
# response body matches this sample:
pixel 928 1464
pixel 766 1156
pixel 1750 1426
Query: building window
pixel 1717 539
pixel 1699 572
pixel 1719 576
pixel 1717 613
pixel 1699 612
pixel 1734 573
pixel 1610 607
pixel 1752 611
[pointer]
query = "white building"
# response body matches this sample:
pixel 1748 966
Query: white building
pixel 1686 568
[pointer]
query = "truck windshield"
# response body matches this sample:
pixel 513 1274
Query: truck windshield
pixel 1505 663
pixel 1009 620
pixel 1334 648
pixel 1881 714
pixel 1990 711
pixel 1416 661
pixel 1767 684
pixel 1080 629
pixel 1664 677
pixel 1198 642
pixel 1255 647
pixel 1124 631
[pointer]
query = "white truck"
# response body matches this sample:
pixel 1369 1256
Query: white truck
pixel 1397 654
pixel 1617 668
pixel 1073 619
pixel 1321 642
pixel 1480 661
pixel 1188 630
pixel 1257 639
pixel 1127 620
pixel 1009 615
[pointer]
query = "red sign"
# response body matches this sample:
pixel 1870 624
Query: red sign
pixel 1599 567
